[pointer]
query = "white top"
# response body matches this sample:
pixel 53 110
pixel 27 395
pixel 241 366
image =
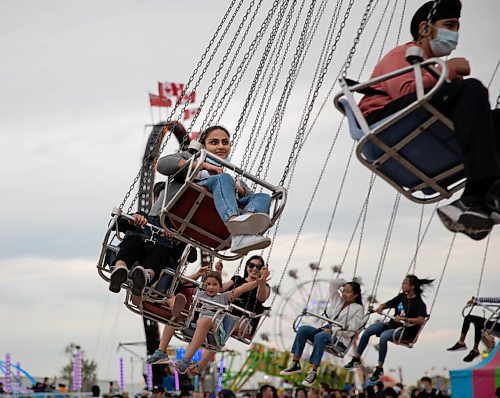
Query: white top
pixel 351 316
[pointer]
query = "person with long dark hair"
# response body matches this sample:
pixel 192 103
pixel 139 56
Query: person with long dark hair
pixel 230 194
pixel 346 308
pixel 409 308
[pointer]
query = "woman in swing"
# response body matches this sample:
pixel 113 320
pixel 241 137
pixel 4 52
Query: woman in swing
pixel 229 194
pixel 409 308
pixel 346 308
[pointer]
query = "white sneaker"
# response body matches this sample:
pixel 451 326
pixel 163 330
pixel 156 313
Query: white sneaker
pixel 242 244
pixel 249 224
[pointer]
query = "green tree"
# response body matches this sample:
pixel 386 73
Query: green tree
pixel 89 367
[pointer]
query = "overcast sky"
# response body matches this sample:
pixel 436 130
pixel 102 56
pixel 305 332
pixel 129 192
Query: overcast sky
pixel 74 78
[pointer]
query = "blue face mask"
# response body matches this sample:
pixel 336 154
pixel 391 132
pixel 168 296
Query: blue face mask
pixel 445 42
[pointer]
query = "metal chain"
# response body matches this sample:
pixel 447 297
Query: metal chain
pixel 356 226
pixel 401 22
pixel 414 259
pixel 277 119
pixel 191 78
pixel 359 32
pixel 493 75
pixel 261 145
pixel 224 59
pixel 319 66
pixel 240 72
pixel 270 86
pixel 442 273
pixel 211 115
pixel 483 265
pixel 267 49
pixel 306 214
pixel 301 131
pixel 385 249
pixel 330 224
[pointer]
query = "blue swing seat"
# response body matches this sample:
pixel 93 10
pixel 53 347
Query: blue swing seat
pixel 415 150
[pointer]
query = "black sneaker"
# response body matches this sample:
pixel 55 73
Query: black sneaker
pixel 118 276
pixel 352 364
pixel 471 356
pixel 457 347
pixel 292 369
pixel 139 278
pixel 311 377
pixel 493 201
pixel 471 219
pixel 376 375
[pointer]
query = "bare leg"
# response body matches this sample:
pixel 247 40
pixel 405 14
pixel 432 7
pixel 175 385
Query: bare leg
pixel 202 328
pixel 166 336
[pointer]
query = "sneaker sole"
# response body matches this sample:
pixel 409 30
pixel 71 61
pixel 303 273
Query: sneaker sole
pixel 178 306
pixel 139 282
pixel 249 248
pixel 283 373
pixel 352 368
pixel 307 384
pixel 159 361
pixel 254 225
pixel 474 226
pixel 457 349
pixel 117 279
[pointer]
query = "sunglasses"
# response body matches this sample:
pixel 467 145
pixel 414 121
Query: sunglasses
pixel 253 265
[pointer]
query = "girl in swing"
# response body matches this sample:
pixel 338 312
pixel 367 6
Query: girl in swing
pixel 229 194
pixel 346 308
pixel 206 321
pixel 409 308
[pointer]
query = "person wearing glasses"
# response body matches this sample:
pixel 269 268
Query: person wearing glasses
pixel 252 300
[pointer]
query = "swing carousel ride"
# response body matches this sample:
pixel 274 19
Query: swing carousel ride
pixel 269 74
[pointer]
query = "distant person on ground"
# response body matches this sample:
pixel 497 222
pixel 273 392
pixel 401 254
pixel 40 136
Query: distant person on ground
pixel 464 101
pixel 409 308
pixel 96 391
pixel 479 323
pixel 426 389
pixel 346 308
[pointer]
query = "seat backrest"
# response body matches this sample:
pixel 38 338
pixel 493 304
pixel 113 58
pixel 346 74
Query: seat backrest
pixel 195 207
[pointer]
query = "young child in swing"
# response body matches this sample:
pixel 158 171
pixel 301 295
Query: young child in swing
pixel 206 321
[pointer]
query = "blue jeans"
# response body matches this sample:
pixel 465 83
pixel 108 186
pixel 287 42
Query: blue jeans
pixel 385 337
pixel 227 204
pixel 319 339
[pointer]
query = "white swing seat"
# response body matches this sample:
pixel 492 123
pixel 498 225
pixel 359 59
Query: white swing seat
pixel 245 332
pixel 215 339
pixel 191 215
pixel 334 348
pixel 416 149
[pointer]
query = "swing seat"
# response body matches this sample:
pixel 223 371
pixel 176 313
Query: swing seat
pixel 159 311
pixel 415 149
pixel 193 214
pixel 246 331
pixel 401 339
pixel 214 340
pixel 190 215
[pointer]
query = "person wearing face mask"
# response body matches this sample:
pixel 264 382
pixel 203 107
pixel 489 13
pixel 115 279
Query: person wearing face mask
pixel 346 308
pixel 464 101
pixel 229 194
pixel 426 389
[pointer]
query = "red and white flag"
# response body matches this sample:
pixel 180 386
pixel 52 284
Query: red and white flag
pixel 190 113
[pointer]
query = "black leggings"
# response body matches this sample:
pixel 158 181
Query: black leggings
pixel 477 127
pixel 479 324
